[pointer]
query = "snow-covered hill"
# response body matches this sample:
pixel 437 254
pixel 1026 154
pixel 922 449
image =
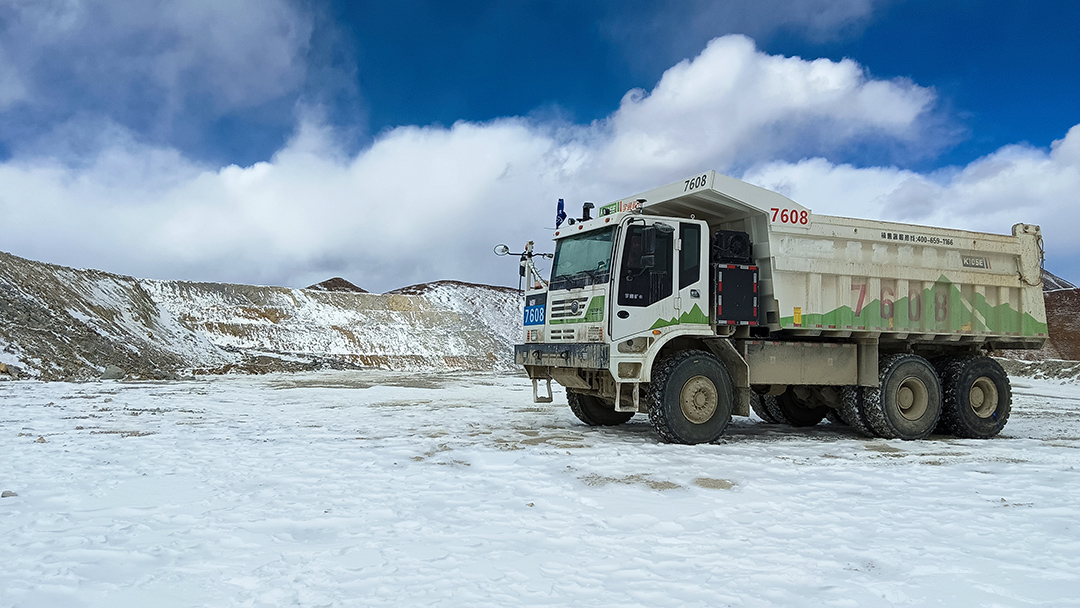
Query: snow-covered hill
pixel 62 323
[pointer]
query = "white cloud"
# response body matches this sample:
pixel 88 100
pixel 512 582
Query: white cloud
pixel 734 104
pixel 12 89
pixel 156 53
pixel 425 203
pixel 653 31
pixel 817 20
pixel 1014 184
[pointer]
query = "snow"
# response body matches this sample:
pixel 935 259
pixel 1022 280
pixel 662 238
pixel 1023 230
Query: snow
pixel 457 328
pixel 384 488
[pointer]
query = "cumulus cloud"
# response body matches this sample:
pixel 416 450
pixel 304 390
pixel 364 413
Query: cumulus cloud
pixel 12 88
pixel 1017 183
pixel 429 202
pixel 733 104
pixel 667 30
pixel 150 60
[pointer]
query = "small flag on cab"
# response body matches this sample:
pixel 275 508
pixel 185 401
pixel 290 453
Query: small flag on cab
pixel 560 215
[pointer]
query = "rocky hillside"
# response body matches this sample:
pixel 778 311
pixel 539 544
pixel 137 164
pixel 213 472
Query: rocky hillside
pixel 1063 319
pixel 1062 300
pixel 59 323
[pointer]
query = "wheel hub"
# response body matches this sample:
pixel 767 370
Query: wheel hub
pixel 983 398
pixel 698 400
pixel 912 398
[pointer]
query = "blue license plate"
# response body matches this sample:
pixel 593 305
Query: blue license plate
pixel 534 315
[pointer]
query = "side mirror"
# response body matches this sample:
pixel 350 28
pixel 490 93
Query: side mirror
pixel 649 241
pixel 648 261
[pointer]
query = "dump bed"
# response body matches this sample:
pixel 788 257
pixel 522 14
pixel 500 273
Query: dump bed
pixel 840 277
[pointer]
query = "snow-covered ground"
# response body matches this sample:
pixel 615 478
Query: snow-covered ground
pixel 374 488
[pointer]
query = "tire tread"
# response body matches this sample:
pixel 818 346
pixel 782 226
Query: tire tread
pixel 874 402
pixel 661 374
pixel 951 370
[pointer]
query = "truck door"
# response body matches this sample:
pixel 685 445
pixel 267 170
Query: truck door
pixel 644 294
pixel 692 289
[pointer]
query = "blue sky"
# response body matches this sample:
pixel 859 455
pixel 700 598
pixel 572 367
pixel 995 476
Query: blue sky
pixel 283 142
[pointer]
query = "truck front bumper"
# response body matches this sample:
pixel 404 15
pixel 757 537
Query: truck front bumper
pixel 589 356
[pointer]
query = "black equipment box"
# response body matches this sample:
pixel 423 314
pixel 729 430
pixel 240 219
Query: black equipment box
pixel 736 294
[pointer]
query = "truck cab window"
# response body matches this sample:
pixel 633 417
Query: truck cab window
pixel 583 260
pixel 638 285
pixel 689 255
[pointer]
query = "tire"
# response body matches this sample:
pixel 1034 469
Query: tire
pixel 772 405
pixel 595 412
pixel 836 417
pixel 766 408
pixel 853 410
pixel 690 398
pixel 977 397
pixel 907 402
pixel 796 412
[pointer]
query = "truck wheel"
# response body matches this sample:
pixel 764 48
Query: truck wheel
pixel 853 410
pixel 690 398
pixel 907 402
pixel 766 408
pixel 797 412
pixel 836 417
pixel 977 397
pixel 594 412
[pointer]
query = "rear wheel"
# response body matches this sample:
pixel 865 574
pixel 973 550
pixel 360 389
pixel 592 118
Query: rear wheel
pixel 907 402
pixel 766 408
pixel 853 410
pixel 593 411
pixel 690 398
pixel 797 412
pixel 836 417
pixel 977 397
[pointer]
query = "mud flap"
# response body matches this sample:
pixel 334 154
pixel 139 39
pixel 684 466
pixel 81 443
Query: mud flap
pixel 619 407
pixel 537 398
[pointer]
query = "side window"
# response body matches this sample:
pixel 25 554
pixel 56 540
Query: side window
pixel 690 255
pixel 640 286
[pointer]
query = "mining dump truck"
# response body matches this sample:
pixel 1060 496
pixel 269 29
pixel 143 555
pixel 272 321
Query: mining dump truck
pixel 711 297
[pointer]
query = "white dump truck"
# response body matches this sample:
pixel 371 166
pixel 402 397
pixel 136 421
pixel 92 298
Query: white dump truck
pixel 709 297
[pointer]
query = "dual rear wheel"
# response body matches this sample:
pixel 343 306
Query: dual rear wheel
pixel 966 396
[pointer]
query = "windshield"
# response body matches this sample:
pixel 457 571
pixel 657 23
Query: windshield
pixel 583 260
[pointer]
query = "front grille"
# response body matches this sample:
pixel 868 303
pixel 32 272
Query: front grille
pixel 561 309
pixel 562 334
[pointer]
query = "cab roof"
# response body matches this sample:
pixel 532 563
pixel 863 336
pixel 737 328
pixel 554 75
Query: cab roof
pixel 709 196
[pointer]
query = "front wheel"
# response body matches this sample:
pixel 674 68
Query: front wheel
pixel 594 412
pixel 690 398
